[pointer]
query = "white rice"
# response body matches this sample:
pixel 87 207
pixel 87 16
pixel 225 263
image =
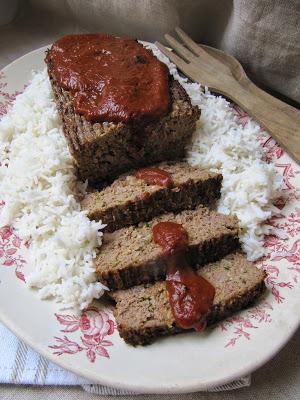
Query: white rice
pixel 221 144
pixel 39 187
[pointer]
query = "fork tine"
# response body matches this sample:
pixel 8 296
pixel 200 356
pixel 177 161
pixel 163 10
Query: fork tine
pixel 173 57
pixel 190 43
pixel 179 48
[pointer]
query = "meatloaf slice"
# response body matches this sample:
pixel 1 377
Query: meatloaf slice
pixel 102 151
pixel 143 313
pixel 129 256
pixel 129 200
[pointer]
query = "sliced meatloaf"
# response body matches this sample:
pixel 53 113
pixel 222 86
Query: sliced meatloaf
pixel 102 151
pixel 143 313
pixel 129 200
pixel 130 257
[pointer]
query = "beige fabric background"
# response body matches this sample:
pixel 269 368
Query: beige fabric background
pixel 263 34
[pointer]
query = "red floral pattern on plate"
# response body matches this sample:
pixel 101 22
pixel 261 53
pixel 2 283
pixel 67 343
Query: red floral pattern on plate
pixel 244 324
pixel 284 246
pixel 10 245
pixel 241 115
pixel 88 332
pixel 6 98
pixel 94 325
pixel 273 150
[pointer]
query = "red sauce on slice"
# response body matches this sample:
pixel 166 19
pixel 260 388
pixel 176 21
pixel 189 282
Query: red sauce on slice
pixel 155 176
pixel 111 78
pixel 191 296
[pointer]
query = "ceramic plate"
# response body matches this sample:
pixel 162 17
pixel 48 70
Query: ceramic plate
pixel 90 346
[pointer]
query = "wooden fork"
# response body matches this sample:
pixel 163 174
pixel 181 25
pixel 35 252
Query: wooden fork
pixel 223 74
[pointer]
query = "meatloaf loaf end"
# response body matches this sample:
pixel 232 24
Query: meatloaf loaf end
pixel 129 200
pixel 102 151
pixel 129 256
pixel 143 313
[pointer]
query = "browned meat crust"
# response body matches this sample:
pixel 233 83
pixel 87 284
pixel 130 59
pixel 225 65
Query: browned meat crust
pixel 130 257
pixel 143 313
pixel 102 151
pixel 128 200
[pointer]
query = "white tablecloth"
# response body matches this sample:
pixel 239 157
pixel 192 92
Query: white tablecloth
pixel 277 380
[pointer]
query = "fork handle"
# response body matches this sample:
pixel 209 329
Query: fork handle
pixel 283 125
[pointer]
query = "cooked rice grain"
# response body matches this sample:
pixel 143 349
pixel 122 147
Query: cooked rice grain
pixel 39 188
pixel 221 144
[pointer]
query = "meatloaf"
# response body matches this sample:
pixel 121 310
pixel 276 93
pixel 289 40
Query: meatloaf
pixel 129 200
pixel 143 313
pixel 104 150
pixel 130 257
